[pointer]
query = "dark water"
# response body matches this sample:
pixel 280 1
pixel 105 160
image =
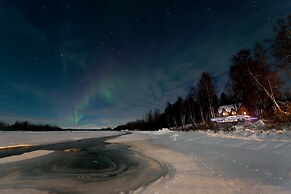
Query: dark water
pixel 85 166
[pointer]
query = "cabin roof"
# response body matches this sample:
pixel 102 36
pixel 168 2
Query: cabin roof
pixel 228 108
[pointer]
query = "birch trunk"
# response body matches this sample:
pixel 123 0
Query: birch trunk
pixel 270 95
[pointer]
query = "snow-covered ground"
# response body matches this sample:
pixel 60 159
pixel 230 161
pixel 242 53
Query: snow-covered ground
pixel 200 162
pixel 240 161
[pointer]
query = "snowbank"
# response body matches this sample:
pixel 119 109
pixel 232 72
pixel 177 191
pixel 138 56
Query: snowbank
pixel 234 118
pixel 159 132
pixel 253 130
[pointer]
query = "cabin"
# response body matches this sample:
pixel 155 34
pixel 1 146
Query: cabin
pixel 232 113
pixel 232 110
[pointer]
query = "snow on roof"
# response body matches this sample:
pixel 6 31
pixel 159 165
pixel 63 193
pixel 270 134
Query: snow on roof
pixel 228 108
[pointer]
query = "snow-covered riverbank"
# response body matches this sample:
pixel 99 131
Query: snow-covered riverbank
pixel 258 130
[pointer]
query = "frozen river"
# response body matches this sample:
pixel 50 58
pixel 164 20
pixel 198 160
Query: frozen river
pixel 72 163
pixel 189 161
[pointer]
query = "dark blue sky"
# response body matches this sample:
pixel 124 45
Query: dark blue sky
pixel 96 63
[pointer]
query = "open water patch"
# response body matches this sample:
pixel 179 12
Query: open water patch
pixel 84 166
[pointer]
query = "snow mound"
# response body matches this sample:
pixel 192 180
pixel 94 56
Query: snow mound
pixel 254 131
pixel 162 131
pixel 259 123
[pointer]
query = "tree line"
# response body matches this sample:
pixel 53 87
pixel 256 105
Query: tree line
pixel 27 126
pixel 254 79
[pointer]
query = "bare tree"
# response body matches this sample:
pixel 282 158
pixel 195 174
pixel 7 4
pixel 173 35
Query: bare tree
pixel 263 78
pixel 253 80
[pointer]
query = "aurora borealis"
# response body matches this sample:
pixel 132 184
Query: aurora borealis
pixel 86 63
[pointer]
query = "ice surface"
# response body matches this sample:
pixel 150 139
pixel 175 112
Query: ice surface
pixel 12 138
pixel 82 166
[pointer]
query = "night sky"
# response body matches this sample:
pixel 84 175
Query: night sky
pixel 99 63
